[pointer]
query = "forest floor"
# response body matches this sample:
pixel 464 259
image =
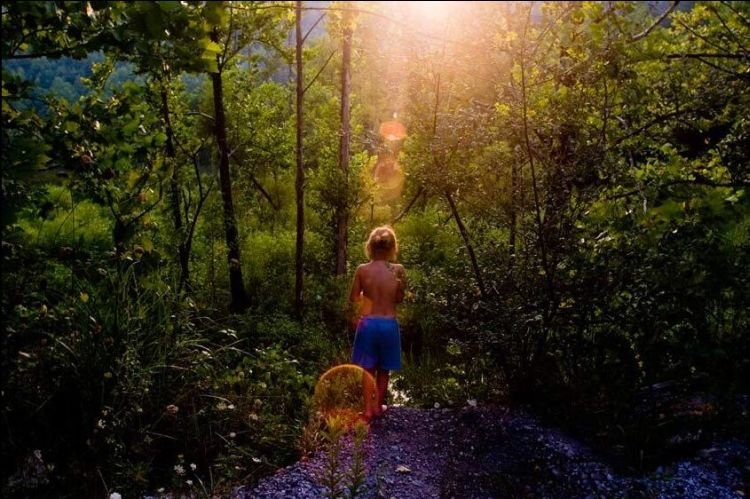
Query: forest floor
pixel 482 452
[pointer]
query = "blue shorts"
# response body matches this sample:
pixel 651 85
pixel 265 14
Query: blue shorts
pixel 377 343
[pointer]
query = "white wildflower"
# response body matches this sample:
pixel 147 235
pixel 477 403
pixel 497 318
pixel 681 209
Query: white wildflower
pixel 232 435
pixel 437 405
pixel 179 469
pixel 160 490
pixel 115 495
pixel 193 466
pixel 189 482
pixel 230 406
pixel 472 402
pixel 256 460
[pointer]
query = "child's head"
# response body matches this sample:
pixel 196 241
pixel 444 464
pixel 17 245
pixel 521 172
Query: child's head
pixel 382 244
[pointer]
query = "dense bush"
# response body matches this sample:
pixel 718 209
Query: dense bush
pixel 110 374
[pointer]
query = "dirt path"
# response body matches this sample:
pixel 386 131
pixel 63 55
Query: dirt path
pixel 497 452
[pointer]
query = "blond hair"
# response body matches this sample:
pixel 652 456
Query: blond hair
pixel 382 244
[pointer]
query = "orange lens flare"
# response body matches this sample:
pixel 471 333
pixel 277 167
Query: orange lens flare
pixel 387 171
pixel 341 390
pixel 392 130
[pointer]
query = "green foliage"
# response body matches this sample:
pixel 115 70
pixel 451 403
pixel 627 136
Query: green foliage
pixel 59 223
pixel 142 390
pixel 332 476
pixel 356 474
pixel 451 377
pixel 24 152
pixel 338 482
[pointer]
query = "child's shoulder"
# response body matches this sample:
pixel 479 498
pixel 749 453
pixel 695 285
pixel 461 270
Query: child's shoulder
pixel 362 267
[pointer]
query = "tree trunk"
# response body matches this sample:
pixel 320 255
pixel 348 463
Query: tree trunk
pixel 342 210
pixel 513 208
pixel 467 243
pixel 300 179
pixel 548 278
pixel 183 256
pixel 239 300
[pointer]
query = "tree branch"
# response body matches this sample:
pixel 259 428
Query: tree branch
pixel 148 210
pixel 467 242
pixel 698 55
pixel 313 27
pixel 647 31
pixel 726 27
pixel 319 71
pixel 740 16
pixel 703 58
pixel 263 191
pixel 408 207
pixel 424 34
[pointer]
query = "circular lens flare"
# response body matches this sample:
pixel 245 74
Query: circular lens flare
pixel 341 390
pixel 392 130
pixel 337 405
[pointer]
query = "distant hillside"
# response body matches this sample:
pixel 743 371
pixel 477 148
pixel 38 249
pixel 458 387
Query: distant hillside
pixel 62 77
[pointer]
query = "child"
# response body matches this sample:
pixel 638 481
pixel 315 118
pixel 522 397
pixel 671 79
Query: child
pixel 380 285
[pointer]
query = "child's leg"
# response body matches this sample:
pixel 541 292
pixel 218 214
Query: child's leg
pixel 382 382
pixel 370 393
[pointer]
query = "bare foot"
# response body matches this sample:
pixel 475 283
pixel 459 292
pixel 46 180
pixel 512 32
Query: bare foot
pixel 380 411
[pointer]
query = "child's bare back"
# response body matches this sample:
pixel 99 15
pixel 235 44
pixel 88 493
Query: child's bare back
pixel 382 283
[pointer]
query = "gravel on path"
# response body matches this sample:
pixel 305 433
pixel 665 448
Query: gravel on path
pixel 486 452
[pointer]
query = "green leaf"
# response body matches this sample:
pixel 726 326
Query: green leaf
pixel 131 127
pixel 215 13
pixel 148 245
pixel 169 5
pixel 211 47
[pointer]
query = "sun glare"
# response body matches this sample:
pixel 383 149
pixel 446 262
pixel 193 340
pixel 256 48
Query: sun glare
pixel 430 15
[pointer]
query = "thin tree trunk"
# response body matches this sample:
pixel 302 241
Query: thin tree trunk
pixel 535 187
pixel 513 208
pixel 183 256
pixel 300 180
pixel 239 299
pixel 548 278
pixel 409 206
pixel 467 243
pixel 342 210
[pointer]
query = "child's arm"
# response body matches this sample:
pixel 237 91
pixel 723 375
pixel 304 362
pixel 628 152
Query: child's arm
pixel 356 292
pixel 401 277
